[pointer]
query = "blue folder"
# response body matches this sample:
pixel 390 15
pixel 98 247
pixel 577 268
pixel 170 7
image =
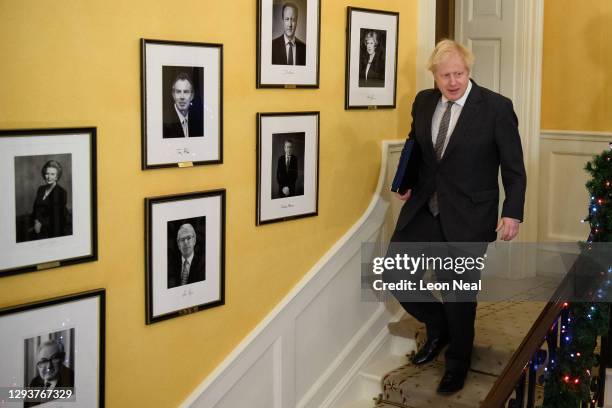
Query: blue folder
pixel 402 165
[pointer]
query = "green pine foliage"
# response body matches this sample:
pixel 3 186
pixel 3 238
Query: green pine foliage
pixel 568 381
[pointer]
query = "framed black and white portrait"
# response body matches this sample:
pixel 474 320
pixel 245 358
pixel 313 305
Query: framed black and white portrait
pixel 48 214
pixel 185 255
pixel 287 166
pixel 182 103
pixel 288 43
pixel 371 55
pixel 53 351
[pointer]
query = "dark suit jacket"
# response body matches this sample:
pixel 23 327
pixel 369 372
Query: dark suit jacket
pixel 50 212
pixel 376 74
pixel 197 270
pixel 485 138
pixel 279 51
pixel 65 379
pixel 172 125
pixel 287 176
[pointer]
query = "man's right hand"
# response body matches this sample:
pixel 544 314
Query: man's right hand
pixel 405 196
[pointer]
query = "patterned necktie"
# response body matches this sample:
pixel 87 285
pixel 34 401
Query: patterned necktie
pixel 185 126
pixel 439 148
pixel 441 139
pixel 185 273
pixel 290 57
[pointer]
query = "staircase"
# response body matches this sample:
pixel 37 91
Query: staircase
pixel 390 380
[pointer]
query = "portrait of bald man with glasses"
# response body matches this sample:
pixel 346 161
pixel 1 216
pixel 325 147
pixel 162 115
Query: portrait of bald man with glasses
pixel 52 372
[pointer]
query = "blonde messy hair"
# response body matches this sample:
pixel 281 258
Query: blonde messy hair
pixel 446 47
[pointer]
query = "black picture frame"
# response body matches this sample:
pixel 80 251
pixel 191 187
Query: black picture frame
pixel 67 232
pixel 271 71
pixel 164 64
pixel 371 78
pixel 301 199
pixel 166 218
pixel 83 315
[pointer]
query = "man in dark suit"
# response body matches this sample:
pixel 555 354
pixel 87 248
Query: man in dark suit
pixel 184 118
pixel 52 373
pixel 463 134
pixel 288 49
pixel 287 171
pixel 191 267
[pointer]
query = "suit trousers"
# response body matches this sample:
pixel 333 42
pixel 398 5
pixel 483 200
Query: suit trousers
pixel 453 317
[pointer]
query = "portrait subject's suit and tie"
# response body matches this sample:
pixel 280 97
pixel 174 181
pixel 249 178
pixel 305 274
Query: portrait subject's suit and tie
pixel 287 174
pixel 173 128
pixel 197 269
pixel 463 136
pixel 279 51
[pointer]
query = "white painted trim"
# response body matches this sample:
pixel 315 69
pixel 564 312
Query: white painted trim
pixel 221 380
pixel 578 135
pixel 338 361
pixel 426 41
pixel 341 387
pixel 529 64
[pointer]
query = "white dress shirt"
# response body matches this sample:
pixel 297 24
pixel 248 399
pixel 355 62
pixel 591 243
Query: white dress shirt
pixel 455 112
pixel 183 120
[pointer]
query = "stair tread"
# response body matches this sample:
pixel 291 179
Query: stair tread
pixel 500 328
pixel 414 386
pixel 496 338
pixel 361 403
pixel 381 366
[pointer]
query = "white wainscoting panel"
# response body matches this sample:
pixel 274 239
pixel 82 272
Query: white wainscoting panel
pixel 563 198
pixel 305 351
pixel 563 195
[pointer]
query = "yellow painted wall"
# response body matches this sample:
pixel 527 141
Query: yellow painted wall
pixel 577 65
pixel 76 63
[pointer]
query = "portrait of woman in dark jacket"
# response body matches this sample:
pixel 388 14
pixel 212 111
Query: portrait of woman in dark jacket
pixel 49 214
pixel 371 62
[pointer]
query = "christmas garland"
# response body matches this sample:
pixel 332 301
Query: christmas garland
pixel 567 378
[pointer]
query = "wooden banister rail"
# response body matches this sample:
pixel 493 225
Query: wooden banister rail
pixel 513 373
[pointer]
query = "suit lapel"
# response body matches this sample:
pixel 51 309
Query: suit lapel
pixel 468 114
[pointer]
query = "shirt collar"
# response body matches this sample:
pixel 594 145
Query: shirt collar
pixel 460 101
pixel 287 40
pixel 180 115
pixel 189 259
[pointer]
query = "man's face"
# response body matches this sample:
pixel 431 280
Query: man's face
pixel 51 175
pixel 290 21
pixel 49 362
pixel 452 76
pixel 288 148
pixel 186 242
pixel 182 93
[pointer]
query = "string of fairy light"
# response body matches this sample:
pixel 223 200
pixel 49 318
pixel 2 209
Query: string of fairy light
pixel 567 376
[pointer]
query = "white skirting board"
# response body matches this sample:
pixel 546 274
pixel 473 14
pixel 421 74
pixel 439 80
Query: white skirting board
pixel 302 353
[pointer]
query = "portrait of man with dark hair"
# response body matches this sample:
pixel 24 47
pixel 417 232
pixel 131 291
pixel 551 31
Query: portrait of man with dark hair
pixel 183 112
pixel 287 49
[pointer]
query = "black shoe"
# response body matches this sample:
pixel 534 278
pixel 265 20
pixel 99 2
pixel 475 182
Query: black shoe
pixel 430 350
pixel 451 382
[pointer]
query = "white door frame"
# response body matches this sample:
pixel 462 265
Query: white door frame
pixel 529 28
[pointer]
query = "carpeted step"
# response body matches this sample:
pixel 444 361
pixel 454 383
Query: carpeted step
pixel 500 328
pixel 415 387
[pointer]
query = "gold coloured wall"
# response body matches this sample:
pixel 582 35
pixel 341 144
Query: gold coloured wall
pixel 77 63
pixel 577 65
